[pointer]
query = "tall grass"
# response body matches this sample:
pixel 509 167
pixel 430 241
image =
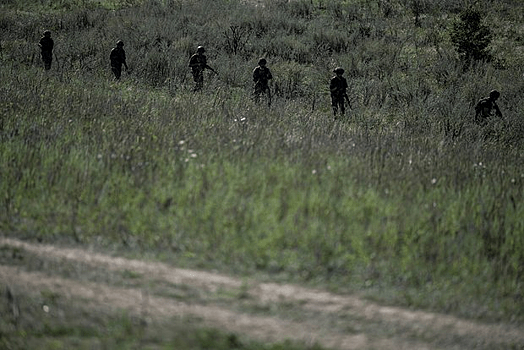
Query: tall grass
pixel 406 198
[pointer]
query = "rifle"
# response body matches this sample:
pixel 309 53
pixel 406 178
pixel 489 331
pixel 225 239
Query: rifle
pixel 347 99
pixel 211 69
pixel 57 61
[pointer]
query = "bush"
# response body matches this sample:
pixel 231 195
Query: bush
pixel 471 38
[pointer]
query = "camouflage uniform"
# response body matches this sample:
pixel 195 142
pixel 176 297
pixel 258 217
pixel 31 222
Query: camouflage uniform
pixel 261 77
pixel 338 86
pixel 486 107
pixel 118 58
pixel 198 62
pixel 46 49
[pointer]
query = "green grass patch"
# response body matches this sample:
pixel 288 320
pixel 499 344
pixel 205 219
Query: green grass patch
pixel 52 323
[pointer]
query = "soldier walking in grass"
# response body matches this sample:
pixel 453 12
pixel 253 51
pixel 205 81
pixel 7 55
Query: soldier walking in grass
pixel 46 45
pixel 198 62
pixel 261 77
pixel 487 107
pixel 118 58
pixel 338 86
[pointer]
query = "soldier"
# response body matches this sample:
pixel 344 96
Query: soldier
pixel 198 62
pixel 486 107
pixel 118 58
pixel 338 86
pixel 46 49
pixel 261 77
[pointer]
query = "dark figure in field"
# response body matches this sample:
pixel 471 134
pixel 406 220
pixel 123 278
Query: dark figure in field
pixel 118 58
pixel 46 49
pixel 486 107
pixel 338 86
pixel 198 62
pixel 261 77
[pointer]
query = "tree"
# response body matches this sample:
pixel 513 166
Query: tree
pixel 471 38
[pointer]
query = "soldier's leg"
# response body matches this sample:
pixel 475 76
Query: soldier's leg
pixel 47 63
pixel 47 58
pixel 342 107
pixel 198 77
pixel 256 93
pixel 117 71
pixel 334 104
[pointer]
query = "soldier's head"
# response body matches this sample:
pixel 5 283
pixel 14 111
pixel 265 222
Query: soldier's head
pixel 47 33
pixel 338 71
pixel 262 62
pixel 493 95
pixel 201 49
pixel 120 43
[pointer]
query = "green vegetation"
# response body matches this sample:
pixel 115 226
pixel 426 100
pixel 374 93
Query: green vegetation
pixel 46 323
pixel 471 38
pixel 407 200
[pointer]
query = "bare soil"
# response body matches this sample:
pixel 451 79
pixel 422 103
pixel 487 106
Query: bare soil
pixel 267 312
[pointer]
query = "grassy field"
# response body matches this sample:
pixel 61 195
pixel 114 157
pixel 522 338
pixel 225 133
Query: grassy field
pixel 76 328
pixel 405 199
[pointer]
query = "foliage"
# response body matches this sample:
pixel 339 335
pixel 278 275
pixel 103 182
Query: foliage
pixel 471 38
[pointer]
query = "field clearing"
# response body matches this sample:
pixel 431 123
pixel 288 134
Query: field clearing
pixel 405 213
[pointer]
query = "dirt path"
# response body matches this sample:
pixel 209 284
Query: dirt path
pixel 263 311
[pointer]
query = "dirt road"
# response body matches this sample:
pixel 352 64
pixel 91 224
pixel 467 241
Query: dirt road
pixel 262 311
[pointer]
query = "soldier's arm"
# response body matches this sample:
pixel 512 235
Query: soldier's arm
pixel 333 87
pixel 124 59
pixel 193 62
pixel 497 110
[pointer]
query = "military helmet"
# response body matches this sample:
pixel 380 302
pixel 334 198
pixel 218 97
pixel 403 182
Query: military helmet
pixel 201 49
pixel 262 61
pixel 494 94
pixel 47 32
pixel 119 43
pixel 338 70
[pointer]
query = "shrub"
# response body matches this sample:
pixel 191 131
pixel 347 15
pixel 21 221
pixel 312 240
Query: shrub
pixel 471 38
